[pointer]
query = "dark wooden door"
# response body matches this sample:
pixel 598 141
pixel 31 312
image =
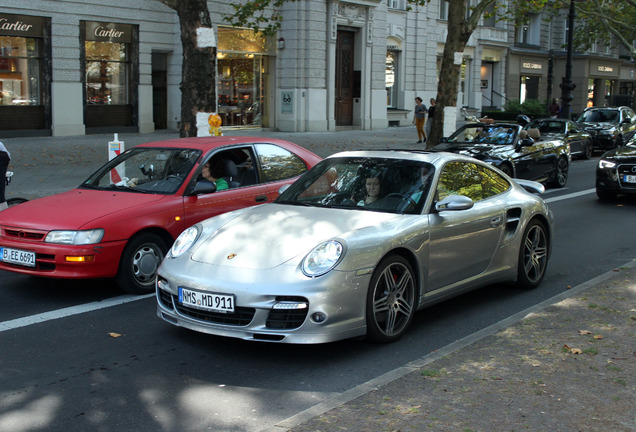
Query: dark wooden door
pixel 344 78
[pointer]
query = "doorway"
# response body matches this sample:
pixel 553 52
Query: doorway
pixel 160 90
pixel 344 78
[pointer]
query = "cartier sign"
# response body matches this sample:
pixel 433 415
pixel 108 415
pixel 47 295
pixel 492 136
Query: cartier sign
pixel 21 25
pixel 108 32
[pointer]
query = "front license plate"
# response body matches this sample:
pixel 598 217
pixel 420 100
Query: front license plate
pixel 206 301
pixel 17 256
pixel 629 178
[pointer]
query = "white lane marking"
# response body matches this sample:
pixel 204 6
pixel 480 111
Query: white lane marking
pixel 572 195
pixel 69 311
pixel 75 310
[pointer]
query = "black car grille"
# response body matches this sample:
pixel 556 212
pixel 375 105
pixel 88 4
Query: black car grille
pixel 626 169
pixel 242 316
pixel 286 319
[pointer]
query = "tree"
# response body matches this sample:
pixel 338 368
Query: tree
pixel 198 71
pixel 604 20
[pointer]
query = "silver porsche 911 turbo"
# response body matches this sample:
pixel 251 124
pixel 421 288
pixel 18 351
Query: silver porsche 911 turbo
pixel 355 247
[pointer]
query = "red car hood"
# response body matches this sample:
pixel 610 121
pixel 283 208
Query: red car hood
pixel 74 209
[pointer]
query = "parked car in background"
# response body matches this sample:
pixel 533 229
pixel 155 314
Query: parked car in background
pixel 320 264
pixel 580 142
pixel 610 127
pixel 122 220
pixel 512 150
pixel 616 172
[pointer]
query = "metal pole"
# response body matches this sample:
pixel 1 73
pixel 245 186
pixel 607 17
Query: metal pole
pixel 567 85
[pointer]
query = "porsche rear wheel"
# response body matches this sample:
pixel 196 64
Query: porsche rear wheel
pixel 139 263
pixel 390 300
pixel 533 255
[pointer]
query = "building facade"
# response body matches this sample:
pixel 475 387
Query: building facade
pixel 69 68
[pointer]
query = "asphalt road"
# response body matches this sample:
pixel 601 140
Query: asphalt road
pixel 75 357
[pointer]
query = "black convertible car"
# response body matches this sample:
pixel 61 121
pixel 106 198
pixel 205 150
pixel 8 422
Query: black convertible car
pixel 516 152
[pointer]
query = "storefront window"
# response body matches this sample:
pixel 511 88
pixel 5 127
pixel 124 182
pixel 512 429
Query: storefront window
pixel 106 73
pixel 19 71
pixel 391 78
pixel 240 65
pixel 529 89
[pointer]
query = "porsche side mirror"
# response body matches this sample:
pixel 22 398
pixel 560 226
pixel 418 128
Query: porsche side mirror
pixel 454 203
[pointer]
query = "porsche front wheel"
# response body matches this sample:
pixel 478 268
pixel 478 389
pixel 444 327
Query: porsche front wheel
pixel 390 300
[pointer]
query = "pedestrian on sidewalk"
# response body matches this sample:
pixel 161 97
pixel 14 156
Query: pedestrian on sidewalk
pixel 419 119
pixel 429 121
pixel 554 109
pixel 5 157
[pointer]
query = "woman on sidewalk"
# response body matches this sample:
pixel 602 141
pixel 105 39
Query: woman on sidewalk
pixel 419 118
pixel 5 157
pixel 431 114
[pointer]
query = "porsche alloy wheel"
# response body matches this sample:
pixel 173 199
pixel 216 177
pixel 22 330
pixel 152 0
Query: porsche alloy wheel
pixel 139 263
pixel 533 256
pixel 390 300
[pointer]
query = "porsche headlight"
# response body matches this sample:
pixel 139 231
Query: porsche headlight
pixel 322 258
pixel 185 240
pixel 85 237
pixel 605 164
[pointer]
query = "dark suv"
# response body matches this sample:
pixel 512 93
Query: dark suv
pixel 610 127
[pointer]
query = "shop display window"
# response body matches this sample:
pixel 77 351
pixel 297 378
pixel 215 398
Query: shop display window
pixel 106 73
pixel 19 71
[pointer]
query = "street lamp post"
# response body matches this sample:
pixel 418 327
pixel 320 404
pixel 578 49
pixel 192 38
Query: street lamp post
pixel 567 85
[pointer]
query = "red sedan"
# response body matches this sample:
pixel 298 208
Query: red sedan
pixel 121 221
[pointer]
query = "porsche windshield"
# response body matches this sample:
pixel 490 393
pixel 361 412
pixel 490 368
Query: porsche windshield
pixel 375 184
pixel 599 116
pixel 145 170
pixel 485 134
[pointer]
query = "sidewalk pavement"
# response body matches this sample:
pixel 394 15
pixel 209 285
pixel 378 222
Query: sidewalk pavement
pixel 568 364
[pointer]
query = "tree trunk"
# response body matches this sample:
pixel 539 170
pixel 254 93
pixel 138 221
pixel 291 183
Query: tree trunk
pixel 198 75
pixel 459 31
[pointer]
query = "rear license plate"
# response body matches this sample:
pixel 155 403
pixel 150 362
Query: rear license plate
pixel 17 256
pixel 206 301
pixel 629 178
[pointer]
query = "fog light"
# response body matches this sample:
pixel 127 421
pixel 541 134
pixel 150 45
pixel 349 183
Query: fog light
pixel 80 258
pixel 318 317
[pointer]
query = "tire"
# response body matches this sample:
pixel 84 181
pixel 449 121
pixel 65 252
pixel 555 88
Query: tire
pixel 561 173
pixel 605 195
pixel 533 255
pixel 588 150
pixel 507 170
pixel 620 142
pixel 390 300
pixel 16 201
pixel 139 262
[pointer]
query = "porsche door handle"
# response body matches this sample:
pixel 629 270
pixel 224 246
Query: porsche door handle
pixel 496 221
pixel 261 198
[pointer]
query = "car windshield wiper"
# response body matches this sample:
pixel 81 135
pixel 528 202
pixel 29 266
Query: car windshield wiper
pixel 125 188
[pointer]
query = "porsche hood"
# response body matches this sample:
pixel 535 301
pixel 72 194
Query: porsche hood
pixel 269 235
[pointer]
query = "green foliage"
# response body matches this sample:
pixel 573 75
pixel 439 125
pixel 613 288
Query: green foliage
pixel 529 107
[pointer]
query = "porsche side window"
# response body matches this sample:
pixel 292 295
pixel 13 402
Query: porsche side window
pixel 471 180
pixel 278 164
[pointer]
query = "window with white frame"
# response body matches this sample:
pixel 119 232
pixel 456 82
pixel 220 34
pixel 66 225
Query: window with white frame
pixel 528 33
pixel 396 4
pixel 443 9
